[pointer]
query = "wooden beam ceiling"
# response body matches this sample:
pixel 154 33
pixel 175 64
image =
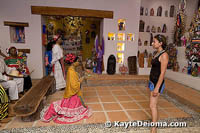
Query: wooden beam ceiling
pixel 61 11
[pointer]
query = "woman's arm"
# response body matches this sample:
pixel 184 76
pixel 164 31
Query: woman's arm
pixel 164 61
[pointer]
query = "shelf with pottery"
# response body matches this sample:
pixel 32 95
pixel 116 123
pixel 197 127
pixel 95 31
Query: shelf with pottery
pixel 158 18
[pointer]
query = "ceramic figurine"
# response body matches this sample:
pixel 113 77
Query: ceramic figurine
pixel 159 11
pixel 172 11
pixel 139 42
pixel 145 54
pixel 146 12
pixel 152 12
pixel 148 29
pixel 141 26
pixel 164 30
pixel 189 68
pixel 195 70
pixel 158 29
pixel 141 60
pixel 153 29
pixel 145 43
pixel 151 39
pixel 150 59
pixel 141 10
pixel 166 13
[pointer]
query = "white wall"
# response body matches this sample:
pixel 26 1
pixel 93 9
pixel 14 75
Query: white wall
pixel 157 21
pixel 20 11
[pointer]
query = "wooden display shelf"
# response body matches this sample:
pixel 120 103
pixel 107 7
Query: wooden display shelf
pixel 61 11
pixel 21 24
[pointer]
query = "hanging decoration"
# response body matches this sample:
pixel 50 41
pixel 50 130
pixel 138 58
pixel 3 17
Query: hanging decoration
pixel 180 23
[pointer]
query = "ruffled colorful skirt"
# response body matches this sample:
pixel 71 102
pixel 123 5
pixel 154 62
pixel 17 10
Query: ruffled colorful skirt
pixel 66 111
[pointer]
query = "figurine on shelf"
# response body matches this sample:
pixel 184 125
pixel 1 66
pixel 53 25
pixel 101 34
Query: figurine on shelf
pixel 141 60
pixel 123 69
pixel 176 66
pixel 148 29
pixel 199 71
pixel 141 26
pixel 153 29
pixel 145 43
pixel 145 54
pixel 152 12
pixel 150 59
pixel 164 30
pixel 189 68
pixel 166 13
pixel 195 70
pixel 184 69
pixel 94 64
pixel 158 29
pixel 141 11
pixel 184 40
pixel 146 12
pixel 139 42
pixel 159 11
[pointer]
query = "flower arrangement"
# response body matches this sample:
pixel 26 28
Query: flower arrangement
pixel 70 58
pixel 123 69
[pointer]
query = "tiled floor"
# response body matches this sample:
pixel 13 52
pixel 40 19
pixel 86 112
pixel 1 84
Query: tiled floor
pixel 111 103
pixel 119 103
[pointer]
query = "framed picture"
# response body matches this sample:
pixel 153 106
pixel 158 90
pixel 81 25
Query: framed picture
pixel 121 24
pixel 121 36
pixel 17 34
pixel 111 36
pixel 120 46
pixel 130 37
pixel 120 58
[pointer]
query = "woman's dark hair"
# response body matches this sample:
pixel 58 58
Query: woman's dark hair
pixel 161 38
pixel 11 48
pixel 50 46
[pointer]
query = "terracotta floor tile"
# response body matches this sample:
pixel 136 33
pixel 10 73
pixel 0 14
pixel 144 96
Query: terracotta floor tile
pixel 97 117
pixel 3 125
pixel 52 99
pixel 18 123
pixel 91 99
pixel 129 87
pixel 176 113
pixel 111 106
pixel 107 99
pixel 119 92
pixel 102 88
pixel 115 88
pixel 165 104
pixel 146 92
pixel 138 115
pixel 45 124
pixel 95 107
pixel 133 92
pixel 89 93
pixel 130 105
pixel 104 93
pixel 139 97
pixel 89 89
pixel 161 113
pixel 117 116
pixel 124 98
pixel 145 104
